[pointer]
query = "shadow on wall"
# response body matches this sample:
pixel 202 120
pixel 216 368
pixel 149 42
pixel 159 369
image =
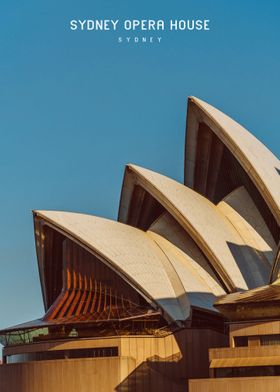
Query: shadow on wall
pixel 186 356
pixel 147 378
pixel 253 264
pixel 164 363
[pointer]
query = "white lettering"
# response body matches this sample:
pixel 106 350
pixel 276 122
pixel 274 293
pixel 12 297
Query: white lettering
pixel 99 25
pixel 82 23
pixel 73 25
pixel 199 25
pixel 127 24
pixel 114 23
pixel 189 24
pixel 143 24
pixel 206 24
pixel 90 25
pixel 173 24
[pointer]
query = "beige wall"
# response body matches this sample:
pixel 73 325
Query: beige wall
pixel 253 329
pixel 245 352
pixel 244 384
pixel 79 375
pixel 145 363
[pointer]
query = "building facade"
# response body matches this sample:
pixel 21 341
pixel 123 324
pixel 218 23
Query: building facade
pixel 135 305
pixel 251 359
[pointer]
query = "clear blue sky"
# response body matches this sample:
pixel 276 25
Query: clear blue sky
pixel 76 107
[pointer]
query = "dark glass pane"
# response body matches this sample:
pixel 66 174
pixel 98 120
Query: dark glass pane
pixel 64 354
pixel 248 371
pixel 267 340
pixel 241 341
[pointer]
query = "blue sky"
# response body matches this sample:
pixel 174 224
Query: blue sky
pixel 75 107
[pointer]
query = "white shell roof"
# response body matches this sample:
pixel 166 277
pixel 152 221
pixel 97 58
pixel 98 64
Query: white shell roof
pixel 194 277
pixel 129 251
pixel 150 261
pixel 210 229
pixel 196 214
pixel 258 161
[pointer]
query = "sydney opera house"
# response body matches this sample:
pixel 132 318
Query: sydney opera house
pixel 182 293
